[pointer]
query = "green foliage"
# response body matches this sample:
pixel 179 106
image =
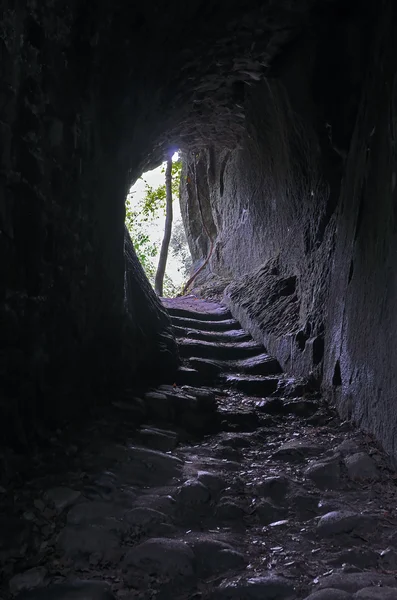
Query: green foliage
pixel 140 218
pixel 180 248
pixel 155 197
pixel 145 249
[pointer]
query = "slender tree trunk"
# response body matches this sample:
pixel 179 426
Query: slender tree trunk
pixel 159 279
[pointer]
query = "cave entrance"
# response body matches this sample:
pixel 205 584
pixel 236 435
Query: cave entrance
pixel 145 220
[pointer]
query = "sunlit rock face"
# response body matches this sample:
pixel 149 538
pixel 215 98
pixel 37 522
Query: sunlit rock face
pixel 301 215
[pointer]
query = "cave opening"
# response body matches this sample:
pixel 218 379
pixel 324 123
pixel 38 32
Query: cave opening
pixel 145 221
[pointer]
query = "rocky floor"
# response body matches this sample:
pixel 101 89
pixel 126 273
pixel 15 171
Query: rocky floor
pixel 237 483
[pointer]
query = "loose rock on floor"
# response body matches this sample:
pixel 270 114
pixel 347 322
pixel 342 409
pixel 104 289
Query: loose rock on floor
pixel 222 492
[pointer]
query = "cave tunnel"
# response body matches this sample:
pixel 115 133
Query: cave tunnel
pixel 285 116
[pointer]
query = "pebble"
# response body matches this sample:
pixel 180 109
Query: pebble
pixel 162 556
pixel 103 487
pixel 145 521
pixel 341 521
pixel 164 504
pixel 324 474
pixel 214 482
pixel 228 509
pixel 151 467
pixel 352 582
pixel 266 587
pixel 275 488
pixel 27 580
pixel 361 467
pixel 268 513
pixel 193 492
pixel 297 450
pixel 214 556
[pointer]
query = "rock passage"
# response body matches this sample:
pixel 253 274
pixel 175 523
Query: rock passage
pixel 236 482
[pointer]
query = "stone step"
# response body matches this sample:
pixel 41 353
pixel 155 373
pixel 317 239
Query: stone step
pixel 204 397
pixel 189 348
pixel 232 420
pixel 216 315
pixel 187 376
pixel 252 385
pixel 262 364
pixel 193 408
pixel 224 325
pixel 233 335
pixel 209 370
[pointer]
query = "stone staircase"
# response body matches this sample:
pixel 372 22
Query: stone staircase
pixel 214 344
pixel 217 351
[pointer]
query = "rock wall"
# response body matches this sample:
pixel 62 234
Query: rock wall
pixel 360 365
pixel 69 333
pixel 304 213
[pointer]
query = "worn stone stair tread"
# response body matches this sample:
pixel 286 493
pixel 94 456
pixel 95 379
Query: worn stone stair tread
pixel 232 335
pixel 188 348
pixel 255 385
pixel 209 369
pixel 216 315
pixel 187 376
pixel 262 364
pixel 224 325
pixel 189 388
pixel 239 420
pixel 183 395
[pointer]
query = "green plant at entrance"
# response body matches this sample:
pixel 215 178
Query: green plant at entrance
pixel 140 218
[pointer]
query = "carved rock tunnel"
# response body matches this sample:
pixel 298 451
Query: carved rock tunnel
pixel 286 114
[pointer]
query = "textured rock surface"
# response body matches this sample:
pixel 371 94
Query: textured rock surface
pixel 234 514
pixel 302 216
